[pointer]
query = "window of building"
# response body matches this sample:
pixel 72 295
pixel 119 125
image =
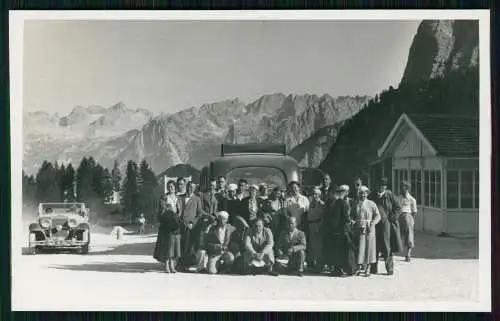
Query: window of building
pixel 452 189
pixel 418 188
pixel 432 188
pixel 397 182
pixel 467 187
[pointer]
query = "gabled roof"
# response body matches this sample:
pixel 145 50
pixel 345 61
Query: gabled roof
pixel 446 135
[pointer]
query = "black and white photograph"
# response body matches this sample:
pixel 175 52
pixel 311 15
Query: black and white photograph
pixel 251 160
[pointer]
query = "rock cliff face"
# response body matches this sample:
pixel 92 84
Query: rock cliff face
pixel 442 46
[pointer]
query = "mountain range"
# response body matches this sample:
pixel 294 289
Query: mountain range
pixel 189 136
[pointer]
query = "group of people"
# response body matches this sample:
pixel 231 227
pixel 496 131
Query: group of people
pixel 247 229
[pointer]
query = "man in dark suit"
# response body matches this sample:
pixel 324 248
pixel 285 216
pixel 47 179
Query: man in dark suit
pixel 327 191
pixel 191 211
pixel 209 200
pixel 387 230
pixel 292 245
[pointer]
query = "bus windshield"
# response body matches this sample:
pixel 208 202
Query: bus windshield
pixel 273 177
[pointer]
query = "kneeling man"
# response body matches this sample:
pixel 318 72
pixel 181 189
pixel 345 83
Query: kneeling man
pixel 292 247
pixel 219 257
pixel 259 247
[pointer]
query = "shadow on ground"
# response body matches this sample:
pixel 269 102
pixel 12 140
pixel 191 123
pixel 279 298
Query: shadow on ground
pixel 124 267
pixel 128 249
pixel 431 246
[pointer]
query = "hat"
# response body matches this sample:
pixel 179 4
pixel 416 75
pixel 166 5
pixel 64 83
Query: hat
pixel 343 188
pixel 383 181
pixel 223 214
pixel 253 186
pixel 232 187
pixel 405 184
pixel 293 183
pixel 240 220
pixel 364 189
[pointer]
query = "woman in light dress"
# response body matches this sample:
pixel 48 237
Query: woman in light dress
pixel 314 223
pixel 366 215
pixel 168 243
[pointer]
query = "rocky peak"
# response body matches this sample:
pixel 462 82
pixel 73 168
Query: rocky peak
pixel 441 46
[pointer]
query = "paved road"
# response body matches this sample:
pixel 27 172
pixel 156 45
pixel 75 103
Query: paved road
pixel 118 274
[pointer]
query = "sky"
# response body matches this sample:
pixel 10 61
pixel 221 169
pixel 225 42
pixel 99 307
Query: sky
pixel 166 66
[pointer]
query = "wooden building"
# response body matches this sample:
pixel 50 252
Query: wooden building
pixel 439 157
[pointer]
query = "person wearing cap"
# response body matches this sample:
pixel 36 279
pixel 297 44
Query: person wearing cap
pixel 209 200
pixel 292 245
pixel 191 211
pixel 340 250
pixel 296 204
pixel 366 214
pixel 251 206
pixel 407 219
pixel 237 244
pixel 388 233
pixel 314 220
pixel 217 245
pixel 259 248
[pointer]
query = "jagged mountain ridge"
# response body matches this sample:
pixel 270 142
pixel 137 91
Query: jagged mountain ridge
pixel 194 135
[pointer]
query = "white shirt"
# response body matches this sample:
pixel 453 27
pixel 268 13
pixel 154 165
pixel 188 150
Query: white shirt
pixel 297 206
pixel 408 204
pixel 221 232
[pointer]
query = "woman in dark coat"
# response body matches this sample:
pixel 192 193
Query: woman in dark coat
pixel 340 249
pixel 168 243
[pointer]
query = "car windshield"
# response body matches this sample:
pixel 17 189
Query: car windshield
pixel 256 175
pixel 60 208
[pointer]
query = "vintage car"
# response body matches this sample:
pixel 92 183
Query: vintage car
pixel 257 163
pixel 60 226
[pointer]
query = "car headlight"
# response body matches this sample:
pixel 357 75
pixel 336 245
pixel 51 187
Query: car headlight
pixel 45 223
pixel 59 227
pixel 72 223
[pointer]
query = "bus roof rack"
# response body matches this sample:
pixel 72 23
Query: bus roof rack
pixel 230 149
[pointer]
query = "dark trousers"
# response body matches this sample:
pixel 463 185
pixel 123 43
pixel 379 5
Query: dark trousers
pixel 383 235
pixel 187 246
pixel 295 263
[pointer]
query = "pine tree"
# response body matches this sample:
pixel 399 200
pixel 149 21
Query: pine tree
pixel 47 186
pixel 116 177
pixel 130 190
pixel 149 192
pixel 107 186
pixel 69 183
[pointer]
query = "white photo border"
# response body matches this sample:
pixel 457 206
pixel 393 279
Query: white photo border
pixel 16 24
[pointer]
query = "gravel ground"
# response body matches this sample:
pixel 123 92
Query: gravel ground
pixel 122 274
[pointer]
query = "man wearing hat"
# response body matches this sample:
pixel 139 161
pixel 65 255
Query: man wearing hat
pixel 407 219
pixel 387 230
pixel 296 204
pixel 217 247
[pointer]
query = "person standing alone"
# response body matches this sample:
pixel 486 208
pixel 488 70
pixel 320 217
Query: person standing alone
pixel 407 220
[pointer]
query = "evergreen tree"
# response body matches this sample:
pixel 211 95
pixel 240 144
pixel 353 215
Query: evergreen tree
pixel 149 192
pixel 47 185
pixel 107 186
pixel 130 190
pixel 69 183
pixel 116 177
pixel 29 189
